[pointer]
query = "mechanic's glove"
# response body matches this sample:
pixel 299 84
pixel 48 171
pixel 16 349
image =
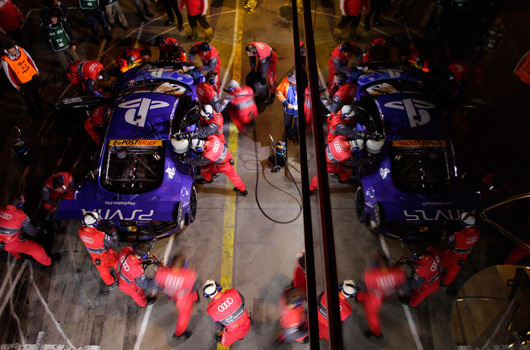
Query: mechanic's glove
pixel 263 81
pixel 285 103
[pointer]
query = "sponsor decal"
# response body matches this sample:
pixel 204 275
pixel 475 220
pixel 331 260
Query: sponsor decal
pixel 120 203
pixel 419 143
pixel 135 143
pixel 87 239
pixel 225 305
pixel 5 216
pixel 384 172
pixel 170 172
pixel 417 110
pixel 110 214
pixel 137 109
pixel 417 215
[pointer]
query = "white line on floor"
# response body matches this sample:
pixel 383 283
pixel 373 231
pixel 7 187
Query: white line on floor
pixel 410 321
pixel 147 314
pixel 50 313
pixel 10 291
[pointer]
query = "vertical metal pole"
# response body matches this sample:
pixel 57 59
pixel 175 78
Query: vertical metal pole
pixel 326 226
pixel 311 287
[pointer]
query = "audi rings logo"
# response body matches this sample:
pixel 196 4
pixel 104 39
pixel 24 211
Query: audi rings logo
pixel 225 305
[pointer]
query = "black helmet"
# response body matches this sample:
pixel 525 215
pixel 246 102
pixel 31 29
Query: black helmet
pixel 17 200
pixel 131 59
pixel 252 49
pixel 204 46
pixel 347 46
pixel 141 249
pixel 58 182
pixel 145 52
pixel 103 75
pixel 160 41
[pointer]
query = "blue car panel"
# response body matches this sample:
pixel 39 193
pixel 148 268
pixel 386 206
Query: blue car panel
pixel 137 182
pixel 412 186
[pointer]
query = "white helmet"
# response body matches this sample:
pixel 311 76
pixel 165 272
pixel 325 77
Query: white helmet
pixel 91 219
pixel 197 145
pixel 348 288
pixel 468 218
pixel 356 145
pixel 210 288
pixel 347 112
pixel 233 85
pixel 206 111
pixel 374 146
pixel 180 146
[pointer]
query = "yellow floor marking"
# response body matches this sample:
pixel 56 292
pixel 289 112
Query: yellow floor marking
pixel 230 201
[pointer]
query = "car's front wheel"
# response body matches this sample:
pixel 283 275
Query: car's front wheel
pixel 193 204
pixel 360 205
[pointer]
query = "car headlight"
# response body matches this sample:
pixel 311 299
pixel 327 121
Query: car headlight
pixel 180 210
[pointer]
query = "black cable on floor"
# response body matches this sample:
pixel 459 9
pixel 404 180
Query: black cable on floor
pixel 256 187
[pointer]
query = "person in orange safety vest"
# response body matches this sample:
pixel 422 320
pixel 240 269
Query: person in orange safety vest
pixel 22 73
pixel 101 242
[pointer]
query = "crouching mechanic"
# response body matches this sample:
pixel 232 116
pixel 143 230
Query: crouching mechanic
pixel 57 186
pixel 101 242
pixel 293 319
pixel 227 310
pixel 427 275
pixel 13 221
pixel 215 158
pixel 347 290
pixel 131 275
pixel 179 282
pixel 83 75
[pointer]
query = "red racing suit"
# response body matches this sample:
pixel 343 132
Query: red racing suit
pixel 344 96
pixel 169 50
pixel 267 59
pixel 121 59
pixel 179 284
pixel 378 285
pixel 52 195
pixel 299 278
pixel 208 95
pixel 10 16
pixel 340 126
pixel 131 276
pixel 83 75
pixel 460 244
pixel 323 324
pixel 101 248
pixel 12 222
pixel 338 62
pixel 242 110
pixel 461 71
pixel 211 126
pixel 307 108
pixel 293 321
pixel 96 124
pixel 227 310
pixel 211 61
pixel 194 7
pixel 337 152
pixel 216 159
pixel 427 276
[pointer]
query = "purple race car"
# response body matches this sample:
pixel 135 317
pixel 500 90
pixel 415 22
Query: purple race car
pixel 137 182
pixel 411 186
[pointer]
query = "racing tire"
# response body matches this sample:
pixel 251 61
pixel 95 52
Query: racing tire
pixel 360 205
pixel 193 204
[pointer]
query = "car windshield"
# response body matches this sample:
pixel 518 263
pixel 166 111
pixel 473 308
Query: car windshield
pixel 133 166
pixel 422 170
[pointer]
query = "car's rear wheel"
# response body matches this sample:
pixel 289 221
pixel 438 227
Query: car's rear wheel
pixel 360 205
pixel 193 204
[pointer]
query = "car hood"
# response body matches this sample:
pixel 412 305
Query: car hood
pixel 410 116
pixel 142 116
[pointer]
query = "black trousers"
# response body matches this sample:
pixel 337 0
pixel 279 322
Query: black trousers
pixel 200 19
pixel 30 92
pixel 352 20
pixel 172 6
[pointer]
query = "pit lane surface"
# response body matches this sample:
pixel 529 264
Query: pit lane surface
pixel 231 240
